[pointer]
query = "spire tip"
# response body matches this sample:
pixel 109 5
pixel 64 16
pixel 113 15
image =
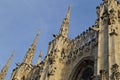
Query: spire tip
pixel 39 32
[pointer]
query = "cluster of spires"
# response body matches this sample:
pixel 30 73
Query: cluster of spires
pixel 31 51
pixel 28 58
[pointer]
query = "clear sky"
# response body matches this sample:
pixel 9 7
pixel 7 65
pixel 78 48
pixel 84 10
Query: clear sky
pixel 20 21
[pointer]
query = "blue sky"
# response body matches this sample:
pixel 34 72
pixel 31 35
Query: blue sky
pixel 20 21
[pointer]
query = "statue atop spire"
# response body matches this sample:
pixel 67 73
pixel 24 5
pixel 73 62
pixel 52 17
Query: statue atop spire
pixel 5 68
pixel 31 51
pixel 65 25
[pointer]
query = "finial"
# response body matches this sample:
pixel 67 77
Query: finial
pixel 36 38
pixel 38 32
pixel 65 24
pixel 40 54
pixel 13 53
pixel 39 57
pixel 10 59
pixel 68 13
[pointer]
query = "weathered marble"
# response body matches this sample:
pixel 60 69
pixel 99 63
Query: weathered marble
pixel 92 55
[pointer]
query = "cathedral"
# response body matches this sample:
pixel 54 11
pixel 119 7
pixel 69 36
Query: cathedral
pixel 92 55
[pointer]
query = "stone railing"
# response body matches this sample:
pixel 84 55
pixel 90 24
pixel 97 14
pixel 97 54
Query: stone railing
pixel 85 37
pixel 82 44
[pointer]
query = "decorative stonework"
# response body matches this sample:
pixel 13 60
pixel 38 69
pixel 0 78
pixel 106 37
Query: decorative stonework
pixel 81 58
pixel 115 72
pixel 103 75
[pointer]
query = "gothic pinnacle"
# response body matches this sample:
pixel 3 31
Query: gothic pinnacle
pixel 5 68
pixel 65 25
pixel 30 53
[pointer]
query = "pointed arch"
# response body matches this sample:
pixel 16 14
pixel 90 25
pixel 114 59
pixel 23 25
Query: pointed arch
pixel 84 70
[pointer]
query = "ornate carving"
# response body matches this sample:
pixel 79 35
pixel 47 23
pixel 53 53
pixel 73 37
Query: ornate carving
pixel 115 72
pixel 52 67
pixel 80 52
pixel 112 16
pixel 63 53
pixel 51 70
pixel 98 11
pixel 82 44
pixel 103 74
